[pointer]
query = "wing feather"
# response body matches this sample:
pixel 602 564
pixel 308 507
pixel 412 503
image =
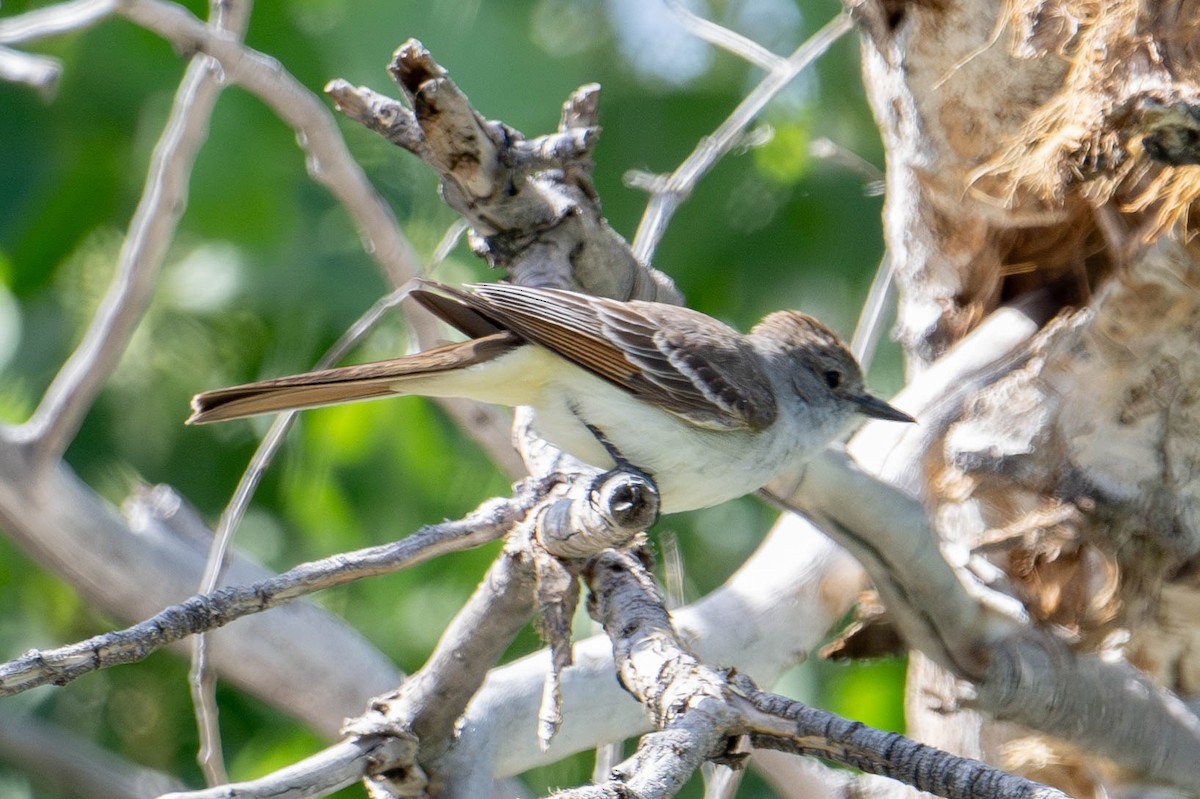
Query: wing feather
pixel 681 360
pixel 678 359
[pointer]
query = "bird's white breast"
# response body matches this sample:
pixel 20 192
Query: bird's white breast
pixel 693 467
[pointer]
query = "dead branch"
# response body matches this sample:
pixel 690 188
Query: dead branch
pixel 326 157
pixel 530 203
pixel 700 712
pixel 539 239
pixel 667 194
pixel 751 621
pixel 210 611
pixel 164 198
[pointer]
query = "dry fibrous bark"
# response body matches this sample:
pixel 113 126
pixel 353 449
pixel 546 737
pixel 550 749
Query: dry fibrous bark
pixel 1045 151
pixel 1010 128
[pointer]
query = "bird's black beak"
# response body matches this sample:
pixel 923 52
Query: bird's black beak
pixel 878 409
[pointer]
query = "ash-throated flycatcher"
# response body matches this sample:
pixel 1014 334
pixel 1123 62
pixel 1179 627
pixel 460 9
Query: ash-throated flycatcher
pixel 709 413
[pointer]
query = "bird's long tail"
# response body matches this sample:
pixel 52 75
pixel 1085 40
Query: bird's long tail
pixel 347 383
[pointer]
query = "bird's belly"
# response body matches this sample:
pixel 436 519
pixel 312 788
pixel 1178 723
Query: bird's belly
pixel 693 467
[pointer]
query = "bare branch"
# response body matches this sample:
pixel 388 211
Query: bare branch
pixel 684 698
pixel 133 569
pixel 42 72
pixel 327 159
pixel 429 703
pixel 424 710
pixel 670 193
pixel 38 23
pixel 869 328
pixel 699 710
pixel 795 567
pixel 427 706
pixel 231 17
pixel 163 200
pixel 829 150
pixel 723 37
pixel 497 732
pixel 207 612
pixel 39 72
pixel 530 203
pixel 823 734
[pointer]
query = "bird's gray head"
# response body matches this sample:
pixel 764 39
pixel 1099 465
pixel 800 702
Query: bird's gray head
pixel 821 369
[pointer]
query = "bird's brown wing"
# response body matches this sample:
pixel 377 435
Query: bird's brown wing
pixel 676 358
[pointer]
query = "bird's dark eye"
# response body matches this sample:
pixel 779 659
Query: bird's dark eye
pixel 833 378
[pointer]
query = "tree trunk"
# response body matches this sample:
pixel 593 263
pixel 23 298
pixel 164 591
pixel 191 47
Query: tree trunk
pixel 1042 152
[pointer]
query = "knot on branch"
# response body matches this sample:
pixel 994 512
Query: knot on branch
pixel 610 513
pixel 611 510
pixel 392 770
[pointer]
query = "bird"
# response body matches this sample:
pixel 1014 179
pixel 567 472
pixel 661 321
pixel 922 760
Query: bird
pixel 708 413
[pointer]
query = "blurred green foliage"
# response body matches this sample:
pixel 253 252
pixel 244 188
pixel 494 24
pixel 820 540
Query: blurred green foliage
pixel 267 271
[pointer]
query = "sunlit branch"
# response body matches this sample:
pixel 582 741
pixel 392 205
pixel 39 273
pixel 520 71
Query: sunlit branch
pixel 668 193
pixel 207 612
pixel 720 36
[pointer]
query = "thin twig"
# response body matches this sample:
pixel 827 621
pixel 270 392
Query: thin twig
pixel 720 36
pixel 871 319
pixel 827 149
pixel 38 71
pixel 675 189
pixel 151 230
pixel 66 17
pixel 218 557
pixel 488 522
pixel 198 93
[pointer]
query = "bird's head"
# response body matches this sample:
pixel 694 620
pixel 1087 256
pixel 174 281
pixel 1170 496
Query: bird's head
pixel 819 367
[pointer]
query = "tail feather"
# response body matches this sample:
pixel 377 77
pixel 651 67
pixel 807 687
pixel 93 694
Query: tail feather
pixel 344 384
pixel 253 399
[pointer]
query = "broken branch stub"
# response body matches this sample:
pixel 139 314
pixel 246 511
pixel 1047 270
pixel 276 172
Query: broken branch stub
pixel 530 202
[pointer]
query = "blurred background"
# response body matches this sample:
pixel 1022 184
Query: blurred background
pixel 267 271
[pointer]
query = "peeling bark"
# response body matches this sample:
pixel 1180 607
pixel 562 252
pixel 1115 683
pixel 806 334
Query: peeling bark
pixel 1046 149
